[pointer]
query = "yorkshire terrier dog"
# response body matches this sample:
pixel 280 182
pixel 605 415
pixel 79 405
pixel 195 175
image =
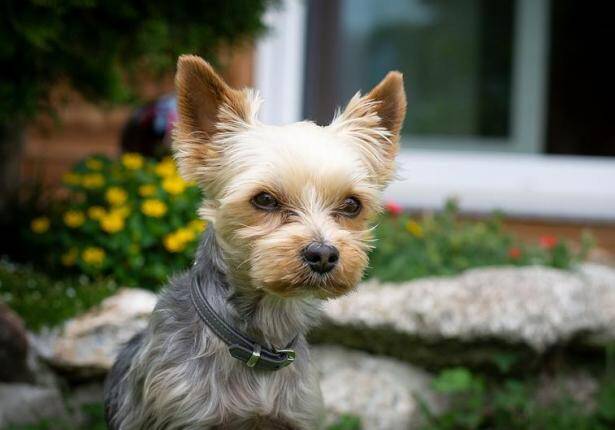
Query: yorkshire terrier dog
pixel 288 210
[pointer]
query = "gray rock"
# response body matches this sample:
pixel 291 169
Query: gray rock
pixel 86 345
pixel 29 404
pixel 382 392
pixel 476 316
pixel 484 316
pixel 43 374
pixel 602 300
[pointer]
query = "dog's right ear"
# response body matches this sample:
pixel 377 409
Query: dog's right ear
pixel 374 121
pixel 208 110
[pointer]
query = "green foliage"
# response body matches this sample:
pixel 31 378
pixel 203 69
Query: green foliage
pixel 346 422
pixel 93 415
pixel 442 244
pixel 133 220
pixel 476 403
pixel 41 301
pixel 99 46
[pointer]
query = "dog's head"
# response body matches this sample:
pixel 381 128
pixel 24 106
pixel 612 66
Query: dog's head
pixel 290 204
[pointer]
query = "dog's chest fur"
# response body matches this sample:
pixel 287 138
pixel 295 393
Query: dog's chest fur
pixel 178 375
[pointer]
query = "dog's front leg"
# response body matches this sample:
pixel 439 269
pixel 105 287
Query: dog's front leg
pixel 258 423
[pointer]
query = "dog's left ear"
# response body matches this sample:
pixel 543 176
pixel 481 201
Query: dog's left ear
pixel 374 121
pixel 208 111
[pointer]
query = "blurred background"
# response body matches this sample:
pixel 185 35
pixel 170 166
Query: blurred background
pixel 506 193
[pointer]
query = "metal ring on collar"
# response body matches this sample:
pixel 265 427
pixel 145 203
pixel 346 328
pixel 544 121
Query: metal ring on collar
pixel 290 355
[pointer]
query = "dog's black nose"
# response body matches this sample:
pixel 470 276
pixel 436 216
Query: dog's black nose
pixel 321 257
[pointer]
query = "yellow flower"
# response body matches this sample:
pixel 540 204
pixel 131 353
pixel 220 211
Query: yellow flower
pixel 74 219
pixel 132 161
pixel 154 208
pixel 414 228
pixel 177 240
pixel 197 225
pixel 40 225
pixel 93 255
pixel 122 211
pixel 174 185
pixel 112 223
pixel 166 168
pixel 71 178
pixel 173 243
pixel 69 258
pixel 116 196
pixel 96 212
pixel 93 180
pixel 186 234
pixel 93 164
pixel 147 190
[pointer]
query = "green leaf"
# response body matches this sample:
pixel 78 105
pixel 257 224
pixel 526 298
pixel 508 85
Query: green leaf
pixel 454 380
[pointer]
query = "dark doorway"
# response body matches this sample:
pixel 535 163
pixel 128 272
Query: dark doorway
pixel 581 103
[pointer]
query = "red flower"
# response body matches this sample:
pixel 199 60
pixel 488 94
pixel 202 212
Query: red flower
pixel 547 241
pixel 514 252
pixel 393 208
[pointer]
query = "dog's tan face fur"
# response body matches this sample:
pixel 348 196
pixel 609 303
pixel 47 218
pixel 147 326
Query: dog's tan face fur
pixel 314 174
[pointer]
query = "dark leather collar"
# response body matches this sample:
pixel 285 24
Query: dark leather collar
pixel 240 346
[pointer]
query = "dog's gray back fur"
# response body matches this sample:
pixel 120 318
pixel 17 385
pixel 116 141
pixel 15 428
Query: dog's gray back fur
pixel 179 375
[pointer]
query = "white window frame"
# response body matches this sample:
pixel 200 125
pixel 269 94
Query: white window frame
pixel 517 182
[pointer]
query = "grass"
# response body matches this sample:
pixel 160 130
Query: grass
pixel 44 301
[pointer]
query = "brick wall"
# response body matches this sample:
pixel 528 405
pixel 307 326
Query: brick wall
pixel 83 128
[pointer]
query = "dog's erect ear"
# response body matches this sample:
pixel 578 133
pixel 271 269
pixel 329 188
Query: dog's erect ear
pixel 375 121
pixel 390 106
pixel 207 107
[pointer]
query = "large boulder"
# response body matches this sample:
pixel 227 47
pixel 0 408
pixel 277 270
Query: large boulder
pixel 489 316
pixel 483 316
pixel 384 393
pixel 87 345
pixel 13 347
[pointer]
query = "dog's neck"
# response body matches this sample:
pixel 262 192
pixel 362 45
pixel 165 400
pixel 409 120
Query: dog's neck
pixel 271 320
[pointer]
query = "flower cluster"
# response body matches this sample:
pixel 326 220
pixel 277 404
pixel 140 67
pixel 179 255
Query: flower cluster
pixel 443 244
pixel 133 219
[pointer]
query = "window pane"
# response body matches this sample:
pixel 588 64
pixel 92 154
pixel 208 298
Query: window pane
pixel 456 56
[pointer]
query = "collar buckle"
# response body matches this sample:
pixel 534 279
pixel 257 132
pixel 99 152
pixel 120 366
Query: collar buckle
pixel 290 355
pixel 240 346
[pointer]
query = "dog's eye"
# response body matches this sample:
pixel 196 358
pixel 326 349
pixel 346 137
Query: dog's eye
pixel 351 207
pixel 265 201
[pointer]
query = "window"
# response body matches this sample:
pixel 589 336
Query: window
pixel 462 60
pixel 456 57
pixel 477 118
